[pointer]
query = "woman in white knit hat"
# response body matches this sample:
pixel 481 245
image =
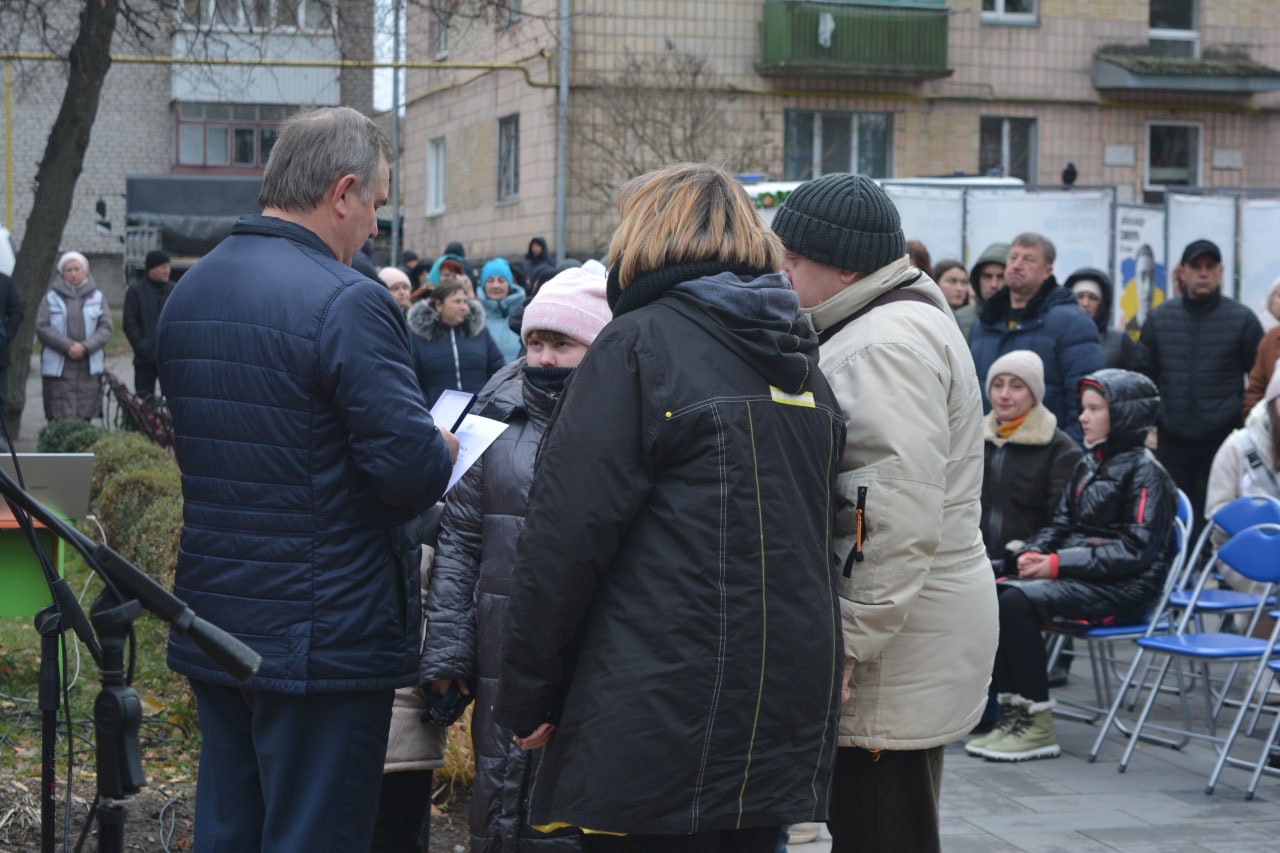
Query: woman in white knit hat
pixel 73 324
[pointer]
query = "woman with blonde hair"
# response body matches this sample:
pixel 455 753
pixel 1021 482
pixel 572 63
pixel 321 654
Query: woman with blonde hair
pixel 682 501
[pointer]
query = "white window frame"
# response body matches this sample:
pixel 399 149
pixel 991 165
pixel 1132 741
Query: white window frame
pixel 1033 156
pixel 1192 35
pixel 206 17
pixel 435 176
pixel 508 177
pixel 1147 184
pixel 852 117
pixel 1000 16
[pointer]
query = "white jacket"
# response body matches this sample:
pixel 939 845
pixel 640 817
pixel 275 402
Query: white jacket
pixel 919 610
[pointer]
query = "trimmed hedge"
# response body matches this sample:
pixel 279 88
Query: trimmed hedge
pixel 116 451
pixel 137 497
pixel 67 435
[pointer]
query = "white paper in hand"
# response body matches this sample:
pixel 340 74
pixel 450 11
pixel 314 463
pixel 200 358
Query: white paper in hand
pixel 450 406
pixel 475 434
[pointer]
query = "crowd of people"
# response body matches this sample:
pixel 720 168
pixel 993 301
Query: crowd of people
pixel 749 475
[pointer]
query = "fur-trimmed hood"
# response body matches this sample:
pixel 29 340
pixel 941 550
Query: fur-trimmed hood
pixel 1037 429
pixel 424 321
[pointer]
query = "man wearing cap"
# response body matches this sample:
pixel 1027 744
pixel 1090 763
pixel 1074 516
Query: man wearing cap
pixel 143 302
pixel 908 541
pixel 1198 348
pixel 1032 312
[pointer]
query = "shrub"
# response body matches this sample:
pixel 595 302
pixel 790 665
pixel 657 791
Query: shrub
pixel 127 496
pixel 152 543
pixel 116 451
pixel 67 435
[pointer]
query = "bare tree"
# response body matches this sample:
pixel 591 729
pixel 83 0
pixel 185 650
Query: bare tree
pixel 657 110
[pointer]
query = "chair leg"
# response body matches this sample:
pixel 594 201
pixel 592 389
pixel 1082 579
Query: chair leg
pixel 1263 758
pixel 1115 706
pixel 1225 752
pixel 1146 711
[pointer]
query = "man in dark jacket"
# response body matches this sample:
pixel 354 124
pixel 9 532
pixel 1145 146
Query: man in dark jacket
pixel 10 320
pixel 1197 348
pixel 143 302
pixel 307 453
pixel 1032 312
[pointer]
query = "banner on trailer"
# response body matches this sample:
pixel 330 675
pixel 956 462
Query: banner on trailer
pixel 1199 217
pixel 1259 260
pixel 1078 223
pixel 1140 275
pixel 934 216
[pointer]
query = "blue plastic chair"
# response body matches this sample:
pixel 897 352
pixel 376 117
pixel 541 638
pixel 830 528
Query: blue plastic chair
pixel 1241 514
pixel 1186 513
pixel 1255 554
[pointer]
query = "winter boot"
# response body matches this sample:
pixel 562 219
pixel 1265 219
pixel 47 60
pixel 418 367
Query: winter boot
pixel 1004 719
pixel 1029 737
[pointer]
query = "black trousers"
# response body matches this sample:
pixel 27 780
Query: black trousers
pixel 886 801
pixel 755 840
pixel 404 813
pixel 144 380
pixel 1021 661
pixel 1189 464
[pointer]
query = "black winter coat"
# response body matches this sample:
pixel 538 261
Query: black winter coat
pixel 1023 478
pixel 1118 349
pixel 1113 527
pixel 674 609
pixel 143 302
pixel 1198 352
pixel 467 605
pixel 11 315
pixel 461 357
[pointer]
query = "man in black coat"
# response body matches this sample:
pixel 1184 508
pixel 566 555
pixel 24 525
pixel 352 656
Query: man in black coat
pixel 1197 348
pixel 143 302
pixel 10 320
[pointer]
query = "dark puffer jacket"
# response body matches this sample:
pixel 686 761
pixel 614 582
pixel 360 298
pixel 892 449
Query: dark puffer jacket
pixel 468 603
pixel 461 357
pixel 674 607
pixel 1113 528
pixel 1118 349
pixel 1054 328
pixel 1198 352
pixel 306 454
pixel 1023 477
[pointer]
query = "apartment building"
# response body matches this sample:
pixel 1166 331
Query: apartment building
pixel 1143 95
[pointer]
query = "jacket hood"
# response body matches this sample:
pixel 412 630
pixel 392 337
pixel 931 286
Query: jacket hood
pixel 997 253
pixel 1050 293
pixel 529 252
pixel 60 286
pixel 434 275
pixel 1133 402
pixel 1103 317
pixel 758 319
pixel 424 320
pixel 504 306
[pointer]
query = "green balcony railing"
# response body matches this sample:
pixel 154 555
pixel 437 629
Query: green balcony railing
pixel 896 39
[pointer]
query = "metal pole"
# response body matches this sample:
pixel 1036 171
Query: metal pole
pixel 8 148
pixel 562 130
pixel 395 137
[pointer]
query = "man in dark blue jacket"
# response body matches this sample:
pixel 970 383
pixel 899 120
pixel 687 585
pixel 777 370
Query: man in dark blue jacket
pixel 307 453
pixel 1032 312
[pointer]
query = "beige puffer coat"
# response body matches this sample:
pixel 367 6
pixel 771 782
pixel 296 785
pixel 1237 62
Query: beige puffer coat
pixel 919 609
pixel 413 743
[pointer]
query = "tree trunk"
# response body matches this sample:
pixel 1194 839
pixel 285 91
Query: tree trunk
pixel 88 64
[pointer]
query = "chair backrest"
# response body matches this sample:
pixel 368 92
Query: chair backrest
pixel 1245 512
pixel 1185 511
pixel 1254 553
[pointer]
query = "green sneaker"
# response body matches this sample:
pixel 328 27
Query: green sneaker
pixel 1030 737
pixel 1008 702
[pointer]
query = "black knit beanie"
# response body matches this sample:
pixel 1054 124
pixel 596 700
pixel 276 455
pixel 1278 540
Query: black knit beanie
pixel 841 220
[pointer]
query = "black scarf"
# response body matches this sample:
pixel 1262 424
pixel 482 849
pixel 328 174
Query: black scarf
pixel 647 287
pixel 548 380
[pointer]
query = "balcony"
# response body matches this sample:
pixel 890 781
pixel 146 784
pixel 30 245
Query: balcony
pixel 1138 68
pixel 881 39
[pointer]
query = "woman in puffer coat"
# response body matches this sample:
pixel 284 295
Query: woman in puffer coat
pixel 481 525
pixel 1027 459
pixel 74 324
pixel 1102 559
pixel 451 346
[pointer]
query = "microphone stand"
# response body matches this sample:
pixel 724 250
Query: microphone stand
pixel 117 711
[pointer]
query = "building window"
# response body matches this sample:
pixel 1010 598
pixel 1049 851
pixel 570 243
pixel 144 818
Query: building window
pixel 438 33
pixel 1174 29
pixel 1009 12
pixel 228 135
pixel 1173 156
pixel 508 14
pixel 816 143
pixel 304 15
pixel 509 158
pixel 435 176
pixel 1007 147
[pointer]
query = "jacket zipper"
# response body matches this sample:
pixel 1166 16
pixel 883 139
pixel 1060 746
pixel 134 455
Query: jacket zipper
pixel 457 363
pixel 859 533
